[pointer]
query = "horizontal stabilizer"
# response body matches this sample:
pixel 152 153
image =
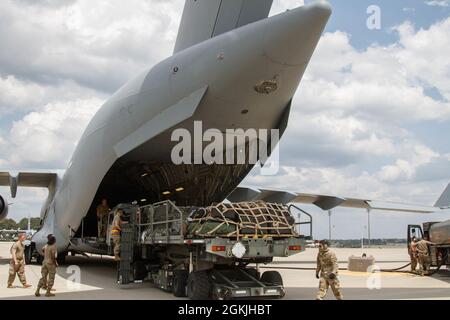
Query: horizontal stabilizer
pixel 28 179
pixel 444 200
pixel 205 19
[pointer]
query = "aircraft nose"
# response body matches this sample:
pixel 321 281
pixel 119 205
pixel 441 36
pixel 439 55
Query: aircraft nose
pixel 292 37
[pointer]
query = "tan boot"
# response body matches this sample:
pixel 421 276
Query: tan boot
pixel 10 286
pixel 26 286
pixel 49 294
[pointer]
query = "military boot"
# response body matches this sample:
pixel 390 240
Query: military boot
pixel 49 293
pixel 38 293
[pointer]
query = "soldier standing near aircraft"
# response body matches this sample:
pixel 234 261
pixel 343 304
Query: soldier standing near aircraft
pixel 327 271
pixel 48 268
pixel 102 213
pixel 413 254
pixel 115 233
pixel 423 256
pixel 17 264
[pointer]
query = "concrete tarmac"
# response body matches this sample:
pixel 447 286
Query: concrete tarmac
pixel 97 279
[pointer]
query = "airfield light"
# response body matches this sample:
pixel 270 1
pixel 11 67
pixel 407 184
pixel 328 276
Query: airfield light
pixel 144 175
pixel 166 193
pixel 143 200
pixel 179 189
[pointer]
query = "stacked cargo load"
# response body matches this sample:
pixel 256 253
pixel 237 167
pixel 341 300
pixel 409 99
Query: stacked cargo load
pixel 246 219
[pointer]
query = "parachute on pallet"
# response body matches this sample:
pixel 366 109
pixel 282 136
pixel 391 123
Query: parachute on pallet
pixel 257 219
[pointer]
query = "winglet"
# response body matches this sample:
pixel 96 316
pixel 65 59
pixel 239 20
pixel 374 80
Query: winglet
pixel 444 200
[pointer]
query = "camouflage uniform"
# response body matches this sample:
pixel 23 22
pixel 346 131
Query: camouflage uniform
pixel 413 255
pixel 19 268
pixel 327 265
pixel 422 255
pixel 115 235
pixel 102 213
pixel 48 270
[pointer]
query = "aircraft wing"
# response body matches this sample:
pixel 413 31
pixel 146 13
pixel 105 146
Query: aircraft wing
pixel 327 202
pixel 28 179
pixel 205 19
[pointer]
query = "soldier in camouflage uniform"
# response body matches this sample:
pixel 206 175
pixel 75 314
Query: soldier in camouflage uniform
pixel 413 254
pixel 327 271
pixel 423 256
pixel 17 264
pixel 116 230
pixel 48 270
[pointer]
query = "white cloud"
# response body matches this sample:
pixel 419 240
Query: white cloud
pixel 47 138
pixel 98 45
pixel 388 83
pixel 25 96
pixel 348 132
pixel 438 3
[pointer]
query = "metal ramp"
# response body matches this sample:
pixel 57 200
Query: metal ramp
pixel 124 270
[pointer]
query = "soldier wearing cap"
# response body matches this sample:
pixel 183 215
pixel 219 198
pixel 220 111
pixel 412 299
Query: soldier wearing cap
pixel 413 254
pixel 48 269
pixel 422 255
pixel 327 271
pixel 116 231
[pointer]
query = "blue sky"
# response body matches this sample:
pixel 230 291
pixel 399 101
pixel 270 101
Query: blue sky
pixel 371 118
pixel 350 16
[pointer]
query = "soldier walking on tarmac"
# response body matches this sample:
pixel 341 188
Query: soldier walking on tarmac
pixel 48 269
pixel 17 264
pixel 423 256
pixel 327 271
pixel 116 232
pixel 413 254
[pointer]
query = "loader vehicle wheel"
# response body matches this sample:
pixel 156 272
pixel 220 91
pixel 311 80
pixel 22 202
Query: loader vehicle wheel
pixel 139 270
pixel 272 277
pixel 199 286
pixel 180 280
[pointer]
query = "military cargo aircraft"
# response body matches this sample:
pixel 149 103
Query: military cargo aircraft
pixel 232 67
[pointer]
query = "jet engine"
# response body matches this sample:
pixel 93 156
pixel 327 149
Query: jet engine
pixel 3 208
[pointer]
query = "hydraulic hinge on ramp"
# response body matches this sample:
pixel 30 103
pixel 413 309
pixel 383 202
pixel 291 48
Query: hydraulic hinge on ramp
pixel 124 266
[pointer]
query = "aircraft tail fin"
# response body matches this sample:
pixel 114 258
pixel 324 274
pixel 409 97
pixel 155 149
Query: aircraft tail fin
pixel 444 200
pixel 205 19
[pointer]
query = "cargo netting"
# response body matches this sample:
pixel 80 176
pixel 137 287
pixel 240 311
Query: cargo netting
pixel 246 219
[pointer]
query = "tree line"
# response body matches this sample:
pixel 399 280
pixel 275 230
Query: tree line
pixel 11 224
